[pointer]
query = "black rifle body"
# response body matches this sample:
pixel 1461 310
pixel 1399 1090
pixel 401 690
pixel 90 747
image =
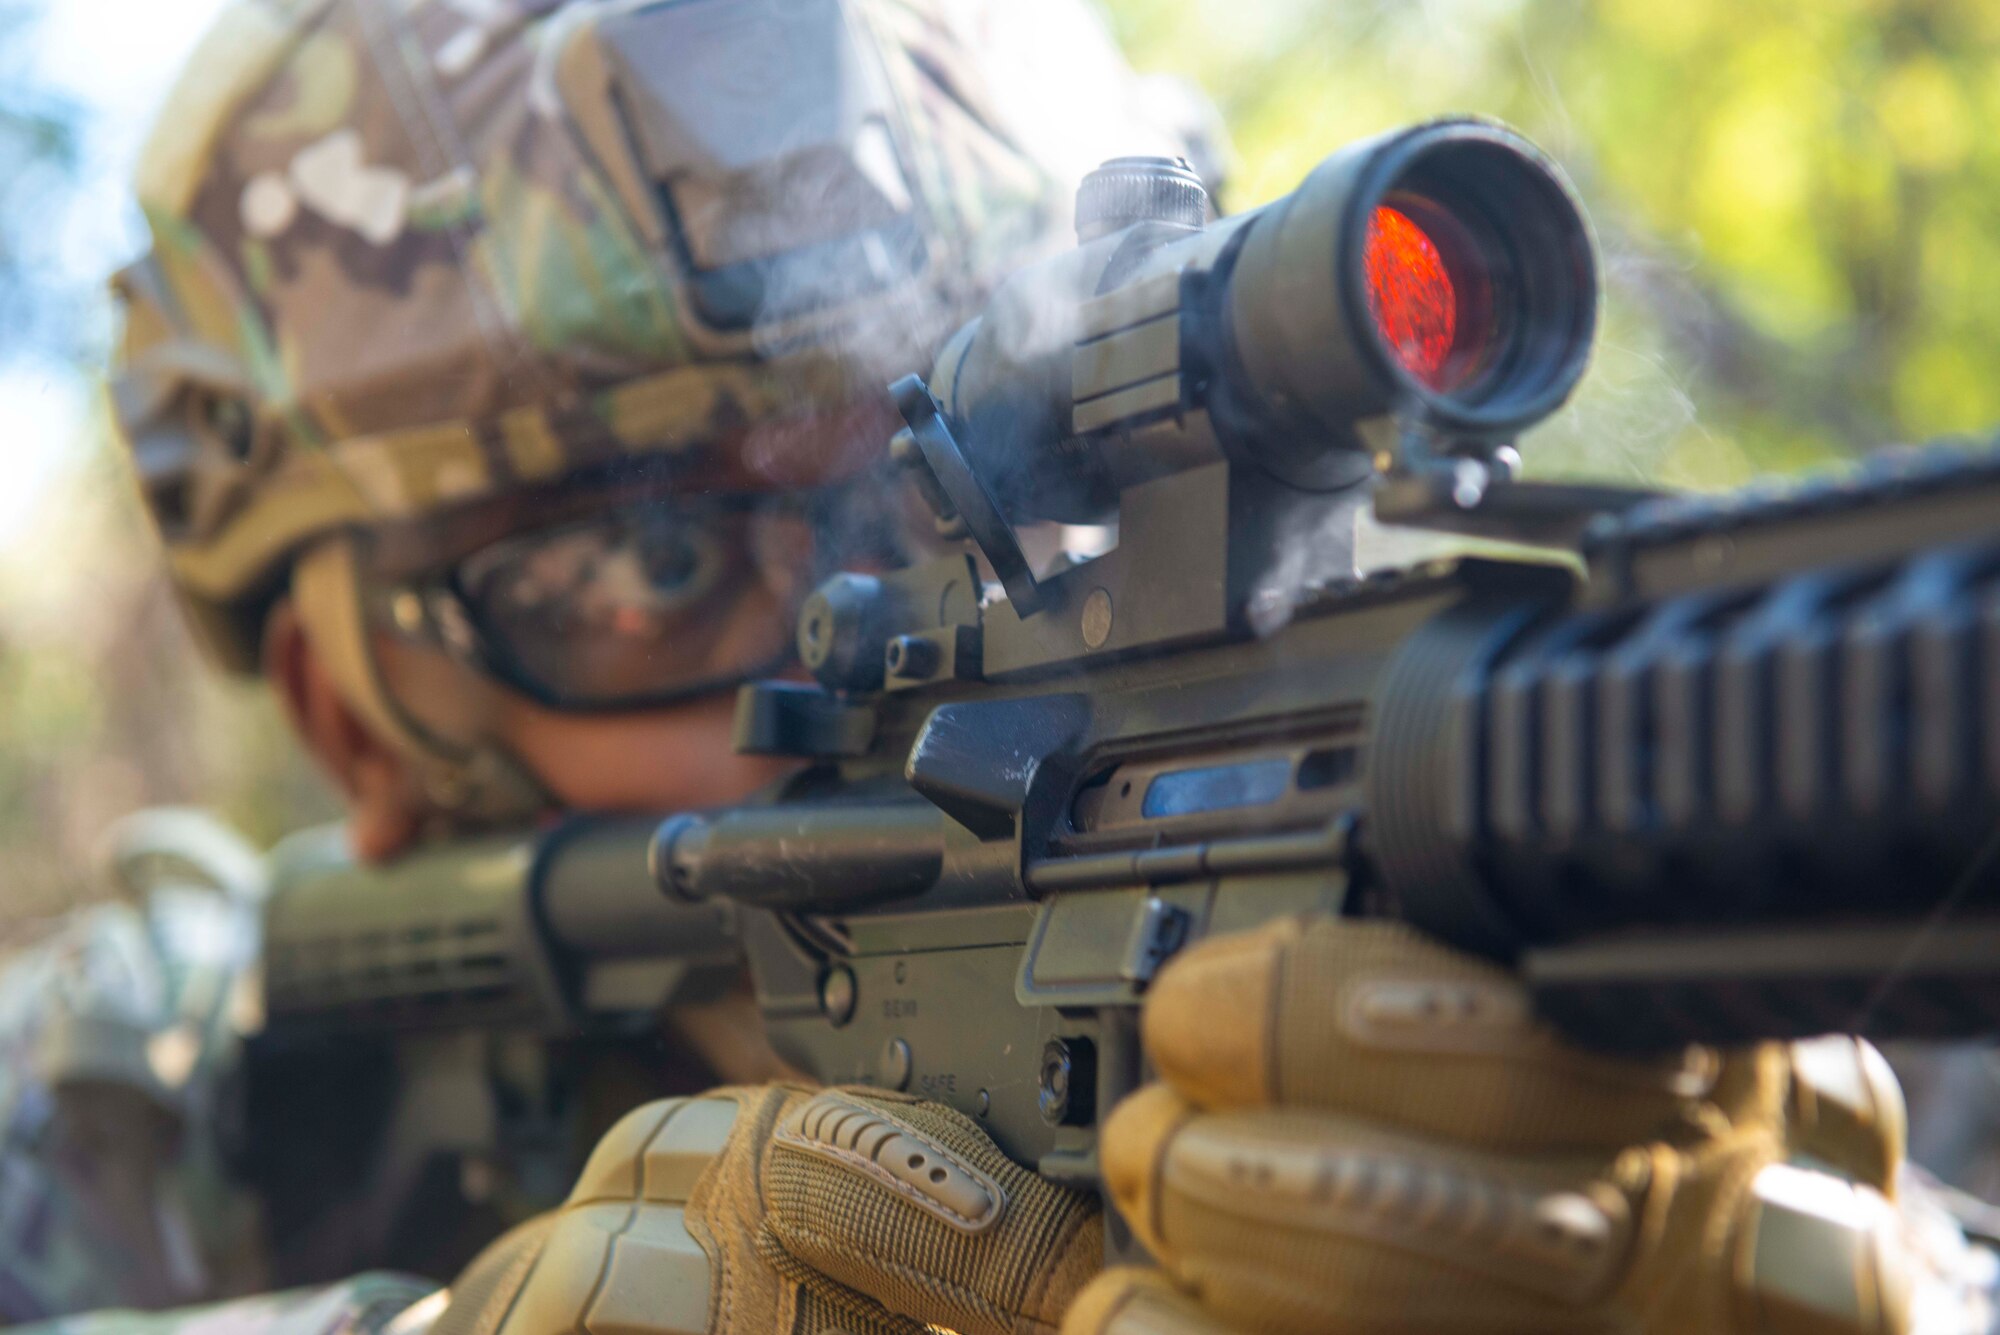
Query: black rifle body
pixel 1738 780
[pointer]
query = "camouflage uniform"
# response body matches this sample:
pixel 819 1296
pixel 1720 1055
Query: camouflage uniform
pixel 128 1162
pixel 365 1305
pixel 116 1047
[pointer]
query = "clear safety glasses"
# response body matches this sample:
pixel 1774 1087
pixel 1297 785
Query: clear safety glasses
pixel 642 603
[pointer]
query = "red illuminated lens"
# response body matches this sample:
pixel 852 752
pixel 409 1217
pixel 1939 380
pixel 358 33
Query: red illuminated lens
pixel 1411 295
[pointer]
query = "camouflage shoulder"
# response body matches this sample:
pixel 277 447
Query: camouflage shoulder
pixel 373 1304
pixel 140 990
pixel 119 1029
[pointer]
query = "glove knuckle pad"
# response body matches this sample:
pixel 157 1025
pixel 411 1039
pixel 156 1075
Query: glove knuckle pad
pixel 613 1169
pixel 1300 1203
pixel 1445 1016
pixel 1847 1108
pixel 983 1251
pixel 902 1160
pixel 1825 1257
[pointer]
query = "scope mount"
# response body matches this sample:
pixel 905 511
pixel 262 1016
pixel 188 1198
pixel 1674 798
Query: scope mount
pixel 1471 488
pixel 1462 486
pixel 1226 388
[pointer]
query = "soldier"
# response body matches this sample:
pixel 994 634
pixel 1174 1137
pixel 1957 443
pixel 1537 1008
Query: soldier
pixel 503 373
pixel 500 376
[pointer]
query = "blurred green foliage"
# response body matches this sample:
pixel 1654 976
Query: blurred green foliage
pixel 106 708
pixel 1799 200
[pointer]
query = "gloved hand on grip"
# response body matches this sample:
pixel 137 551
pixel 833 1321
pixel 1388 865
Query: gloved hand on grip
pixel 757 1211
pixel 1357 1131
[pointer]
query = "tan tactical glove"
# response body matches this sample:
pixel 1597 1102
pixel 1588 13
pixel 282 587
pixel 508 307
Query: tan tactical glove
pixel 784 1210
pixel 1360 1132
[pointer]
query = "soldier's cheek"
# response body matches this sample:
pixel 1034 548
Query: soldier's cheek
pixel 665 759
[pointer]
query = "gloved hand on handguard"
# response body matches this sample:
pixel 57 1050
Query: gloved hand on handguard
pixel 1357 1131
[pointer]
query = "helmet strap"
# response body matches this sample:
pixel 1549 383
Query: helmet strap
pixel 475 784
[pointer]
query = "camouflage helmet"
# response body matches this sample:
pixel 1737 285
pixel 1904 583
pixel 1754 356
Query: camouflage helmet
pixel 414 254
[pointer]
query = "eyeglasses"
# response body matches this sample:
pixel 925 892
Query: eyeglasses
pixel 644 603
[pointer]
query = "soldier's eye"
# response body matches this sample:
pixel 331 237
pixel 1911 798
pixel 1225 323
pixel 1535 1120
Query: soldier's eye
pixel 625 577
pixel 632 603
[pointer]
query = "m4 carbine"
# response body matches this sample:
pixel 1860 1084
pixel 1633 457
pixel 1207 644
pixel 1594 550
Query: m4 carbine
pixel 1701 769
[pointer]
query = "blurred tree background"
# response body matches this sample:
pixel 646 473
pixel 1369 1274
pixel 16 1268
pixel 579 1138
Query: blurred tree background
pixel 104 707
pixel 1798 206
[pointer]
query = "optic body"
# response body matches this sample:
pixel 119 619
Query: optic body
pixel 1441 275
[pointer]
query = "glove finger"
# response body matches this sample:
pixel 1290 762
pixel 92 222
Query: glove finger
pixel 1286 1222
pixel 1372 1020
pixel 1298 1221
pixel 912 1205
pixel 1846 1110
pixel 1129 1301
